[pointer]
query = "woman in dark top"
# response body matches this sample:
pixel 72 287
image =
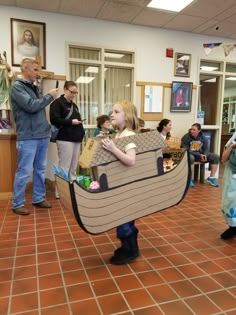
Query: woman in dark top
pixel 64 114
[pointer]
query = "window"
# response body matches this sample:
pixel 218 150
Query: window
pixel 103 77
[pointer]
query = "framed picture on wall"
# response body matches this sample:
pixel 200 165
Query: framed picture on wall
pixel 28 40
pixel 182 65
pixel 181 96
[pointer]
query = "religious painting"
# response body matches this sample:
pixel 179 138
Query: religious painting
pixel 181 96
pixel 28 40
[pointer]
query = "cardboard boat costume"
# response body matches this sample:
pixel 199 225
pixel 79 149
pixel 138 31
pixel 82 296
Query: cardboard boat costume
pixel 126 193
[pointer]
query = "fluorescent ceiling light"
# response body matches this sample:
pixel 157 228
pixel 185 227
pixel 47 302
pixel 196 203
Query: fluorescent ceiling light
pixel 85 80
pixel 92 69
pixel 113 55
pixel 210 80
pixel 208 68
pixel 170 5
pixel 184 57
pixel 231 78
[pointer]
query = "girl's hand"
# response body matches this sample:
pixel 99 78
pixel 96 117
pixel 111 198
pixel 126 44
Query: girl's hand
pixel 101 134
pixel 108 145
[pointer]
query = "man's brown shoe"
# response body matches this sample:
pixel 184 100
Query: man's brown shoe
pixel 21 211
pixel 42 204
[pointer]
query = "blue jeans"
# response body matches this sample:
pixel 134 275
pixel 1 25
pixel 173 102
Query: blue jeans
pixel 31 153
pixel 126 229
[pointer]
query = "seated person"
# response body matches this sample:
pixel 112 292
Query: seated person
pixel 141 127
pixel 103 126
pixel 141 123
pixel 197 145
pixel 164 128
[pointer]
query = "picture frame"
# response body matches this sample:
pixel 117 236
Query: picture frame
pixel 28 40
pixel 181 96
pixel 182 64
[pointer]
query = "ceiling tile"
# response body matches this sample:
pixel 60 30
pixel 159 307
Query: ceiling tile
pixel 200 17
pixel 185 23
pixel 233 36
pixel 8 2
pixel 225 29
pixel 208 24
pixel 117 11
pixel 231 19
pixel 43 5
pixel 142 3
pixel 228 15
pixel 155 18
pixel 87 8
pixel 208 9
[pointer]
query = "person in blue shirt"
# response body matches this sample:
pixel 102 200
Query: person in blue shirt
pixel 197 145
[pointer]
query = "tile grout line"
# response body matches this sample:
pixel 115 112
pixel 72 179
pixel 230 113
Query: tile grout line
pixel 111 276
pixel 185 277
pixel 13 266
pixel 36 262
pixel 59 262
pixel 81 261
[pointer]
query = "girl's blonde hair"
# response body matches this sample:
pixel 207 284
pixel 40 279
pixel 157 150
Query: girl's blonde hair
pixel 131 119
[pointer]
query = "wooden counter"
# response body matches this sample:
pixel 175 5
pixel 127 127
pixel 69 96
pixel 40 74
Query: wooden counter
pixel 8 164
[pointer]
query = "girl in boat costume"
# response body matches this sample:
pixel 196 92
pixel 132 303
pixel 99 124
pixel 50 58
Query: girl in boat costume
pixel 124 119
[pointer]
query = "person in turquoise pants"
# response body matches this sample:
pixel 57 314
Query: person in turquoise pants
pixel 229 190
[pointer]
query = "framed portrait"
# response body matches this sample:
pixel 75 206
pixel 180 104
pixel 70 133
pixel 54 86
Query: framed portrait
pixel 28 40
pixel 182 65
pixel 181 96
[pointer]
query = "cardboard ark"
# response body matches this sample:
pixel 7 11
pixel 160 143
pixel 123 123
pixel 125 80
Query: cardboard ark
pixel 93 154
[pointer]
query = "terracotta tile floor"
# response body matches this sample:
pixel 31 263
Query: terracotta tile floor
pixel 49 266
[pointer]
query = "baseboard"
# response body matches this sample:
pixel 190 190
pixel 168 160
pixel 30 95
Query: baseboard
pixel 50 186
pixel 6 195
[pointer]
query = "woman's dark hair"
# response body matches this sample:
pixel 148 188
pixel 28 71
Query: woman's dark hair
pixel 198 126
pixel 101 119
pixel 68 84
pixel 164 122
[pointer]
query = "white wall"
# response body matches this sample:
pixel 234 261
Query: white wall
pixel 149 43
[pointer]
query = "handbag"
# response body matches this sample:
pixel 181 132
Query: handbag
pixel 55 130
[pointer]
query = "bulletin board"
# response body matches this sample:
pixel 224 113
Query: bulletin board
pixel 152 100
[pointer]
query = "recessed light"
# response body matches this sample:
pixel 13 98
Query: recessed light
pixel 209 68
pixel 210 80
pixel 169 5
pixel 231 78
pixel 113 55
pixel 85 80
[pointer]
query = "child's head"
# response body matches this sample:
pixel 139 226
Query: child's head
pixel 141 123
pixel 124 115
pixel 102 119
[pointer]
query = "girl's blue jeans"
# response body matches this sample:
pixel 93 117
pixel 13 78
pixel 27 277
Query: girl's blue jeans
pixel 126 229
